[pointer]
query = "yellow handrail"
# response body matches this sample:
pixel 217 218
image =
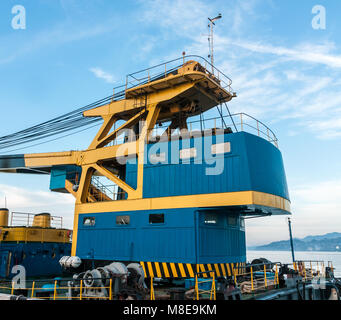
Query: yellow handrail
pixel 55 290
pixel 110 289
pixel 32 292
pixel 265 276
pixel 152 293
pixel 198 291
pixel 81 290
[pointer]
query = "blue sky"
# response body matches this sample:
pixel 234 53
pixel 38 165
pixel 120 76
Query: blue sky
pixel 285 73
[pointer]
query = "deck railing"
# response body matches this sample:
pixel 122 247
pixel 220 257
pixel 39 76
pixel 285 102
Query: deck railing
pixel 56 290
pixel 256 277
pixel 198 292
pixel 236 122
pixel 309 269
pixel 24 219
pixel 164 69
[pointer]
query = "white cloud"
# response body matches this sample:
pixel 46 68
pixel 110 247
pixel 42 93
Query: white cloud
pixel 101 74
pixel 305 52
pixel 28 201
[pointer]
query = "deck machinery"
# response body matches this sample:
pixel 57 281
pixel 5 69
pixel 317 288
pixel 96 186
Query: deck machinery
pixel 180 194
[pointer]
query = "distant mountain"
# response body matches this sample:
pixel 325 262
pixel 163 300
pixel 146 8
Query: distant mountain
pixel 326 242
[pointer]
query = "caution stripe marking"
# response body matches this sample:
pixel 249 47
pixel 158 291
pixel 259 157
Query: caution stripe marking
pixel 187 270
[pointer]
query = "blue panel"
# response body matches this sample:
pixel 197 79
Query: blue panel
pixel 60 173
pixel 178 239
pixel 266 166
pixel 174 240
pixel 39 259
pixel 221 242
pixel 57 180
pixel 253 164
pixel 131 173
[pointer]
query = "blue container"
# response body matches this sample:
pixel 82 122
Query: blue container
pixel 203 284
pixel 269 275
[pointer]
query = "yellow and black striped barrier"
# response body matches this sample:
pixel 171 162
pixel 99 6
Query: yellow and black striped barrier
pixel 187 270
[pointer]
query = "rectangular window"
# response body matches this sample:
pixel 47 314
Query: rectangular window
pixel 156 218
pixel 123 220
pixel 211 218
pixel 157 158
pixel 232 220
pixel 88 221
pixel 221 148
pixel 188 153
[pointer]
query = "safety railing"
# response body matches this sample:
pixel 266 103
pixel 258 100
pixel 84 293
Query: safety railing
pixel 330 265
pixel 164 69
pixel 200 292
pixel 310 269
pixel 57 290
pixel 24 219
pixel 256 277
pixel 105 192
pixel 152 291
pixel 235 123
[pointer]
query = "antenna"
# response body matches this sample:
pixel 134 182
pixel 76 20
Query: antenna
pixel 210 38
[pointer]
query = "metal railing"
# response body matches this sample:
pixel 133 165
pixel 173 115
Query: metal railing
pixel 200 292
pixel 23 219
pixel 56 291
pixel 105 192
pixel 152 291
pixel 236 123
pixel 162 70
pixel 309 269
pixel 261 276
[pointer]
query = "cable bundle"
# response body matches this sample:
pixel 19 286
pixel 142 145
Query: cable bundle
pixel 57 126
pixel 68 122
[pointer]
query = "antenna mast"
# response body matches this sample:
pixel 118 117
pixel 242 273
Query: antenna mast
pixel 210 38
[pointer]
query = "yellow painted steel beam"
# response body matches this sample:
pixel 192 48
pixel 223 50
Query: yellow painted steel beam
pixel 132 121
pixel 108 122
pixel 69 188
pixel 126 106
pixel 114 179
pixel 241 198
pixel 153 113
pixel 52 158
